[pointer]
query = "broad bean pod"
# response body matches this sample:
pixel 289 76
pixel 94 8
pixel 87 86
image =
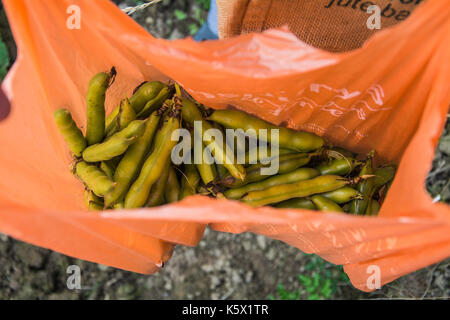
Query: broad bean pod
pixel 296 140
pixel 325 204
pixel 190 115
pixel 116 144
pixel 131 163
pixel 286 163
pixel 94 178
pixel 297 203
pixel 291 177
pixel 172 189
pixel 124 118
pixel 154 165
pixel 359 206
pixel 72 135
pixel 189 181
pixel 343 195
pixel 302 189
pixel 95 101
pixel 141 95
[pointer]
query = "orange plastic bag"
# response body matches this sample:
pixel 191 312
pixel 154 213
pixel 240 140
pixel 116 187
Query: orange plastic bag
pixel 392 95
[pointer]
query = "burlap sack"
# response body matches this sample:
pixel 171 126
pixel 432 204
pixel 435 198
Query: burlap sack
pixel 333 25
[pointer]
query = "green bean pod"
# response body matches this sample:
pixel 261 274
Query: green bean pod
pixel 325 204
pixel 114 162
pixel 192 114
pixel 343 195
pixel 302 189
pixel 291 177
pixel 221 170
pixel 141 95
pixel 383 175
pixel 207 171
pixel 157 193
pixel 152 169
pixel 189 181
pixel 116 144
pixel 72 135
pixel 365 187
pixel 155 103
pixel 251 155
pixel 94 178
pixel 107 169
pixel 339 167
pixel 286 163
pixel 94 206
pixel 95 102
pixel 89 197
pixel 297 203
pixel 118 206
pixel 131 163
pixel 373 208
pixel 296 140
pixel 172 190
pixel 124 118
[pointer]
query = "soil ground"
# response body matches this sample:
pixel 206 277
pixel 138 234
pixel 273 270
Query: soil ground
pixel 222 266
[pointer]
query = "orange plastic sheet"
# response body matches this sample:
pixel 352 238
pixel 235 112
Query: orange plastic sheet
pixel 392 95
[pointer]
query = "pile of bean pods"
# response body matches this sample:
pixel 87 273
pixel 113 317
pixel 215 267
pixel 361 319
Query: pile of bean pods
pixel 124 159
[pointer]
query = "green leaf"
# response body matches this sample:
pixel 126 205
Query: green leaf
pixel 314 296
pixel 4 59
pixel 180 15
pixel 193 28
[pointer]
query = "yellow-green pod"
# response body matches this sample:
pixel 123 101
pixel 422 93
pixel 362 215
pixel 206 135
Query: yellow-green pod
pixel 172 189
pixel 291 177
pixel 94 178
pixel 94 206
pixel 296 203
pixel 107 169
pixel 115 145
pixel 325 204
pixel 253 156
pixel 189 181
pixel 342 167
pixel 302 189
pixel 118 206
pixel 89 197
pixel 343 195
pixel 141 95
pixel 95 102
pixel 125 117
pixel 130 165
pixel 208 172
pixel 359 206
pixel 221 171
pixel 296 140
pixel 191 114
pixel 156 196
pixel 154 165
pixel 155 103
pixel 72 135
pixel 286 164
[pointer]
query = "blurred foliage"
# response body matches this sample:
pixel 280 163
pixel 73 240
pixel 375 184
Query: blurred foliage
pixel 4 59
pixel 320 281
